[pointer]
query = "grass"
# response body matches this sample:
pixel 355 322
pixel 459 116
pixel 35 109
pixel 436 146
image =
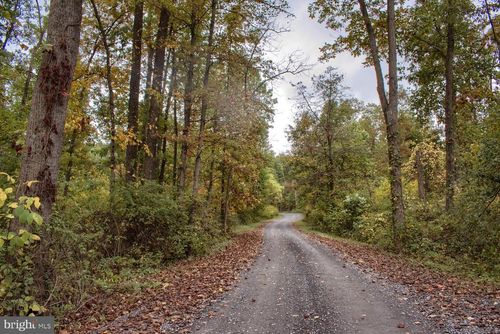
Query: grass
pixel 244 228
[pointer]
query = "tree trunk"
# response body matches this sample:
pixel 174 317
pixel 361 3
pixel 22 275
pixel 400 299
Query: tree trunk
pixel 492 25
pixel 449 107
pixel 175 146
pixel 204 100
pixel 149 75
pixel 152 136
pixel 390 110
pixel 69 168
pixel 171 89
pixel 188 101
pixel 393 132
pixel 226 200
pixel 133 102
pixel 422 194
pixel 12 26
pixel 45 133
pixel 329 141
pixel 111 94
pixel 224 189
pixel 29 73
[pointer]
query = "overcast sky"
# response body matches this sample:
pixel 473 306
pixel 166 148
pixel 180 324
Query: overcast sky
pixel 307 36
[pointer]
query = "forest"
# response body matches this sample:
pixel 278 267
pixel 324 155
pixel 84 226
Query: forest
pixel 135 134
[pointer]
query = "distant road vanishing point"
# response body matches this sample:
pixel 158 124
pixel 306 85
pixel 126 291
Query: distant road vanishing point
pixel 299 286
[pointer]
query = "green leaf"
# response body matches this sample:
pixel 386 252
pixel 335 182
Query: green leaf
pixel 24 216
pixel 18 211
pixel 35 307
pixel 37 218
pixel 1 242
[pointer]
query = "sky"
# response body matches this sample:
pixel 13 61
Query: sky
pixel 307 36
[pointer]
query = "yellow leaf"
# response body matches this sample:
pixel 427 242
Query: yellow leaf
pixel 30 183
pixel 3 197
pixel 37 203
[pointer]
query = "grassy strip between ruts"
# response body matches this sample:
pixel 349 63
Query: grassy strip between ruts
pixel 444 298
pixel 173 295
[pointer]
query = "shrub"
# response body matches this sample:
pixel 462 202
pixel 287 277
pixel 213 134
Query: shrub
pixel 354 206
pixel 17 250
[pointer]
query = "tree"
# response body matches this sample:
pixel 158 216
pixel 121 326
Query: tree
pixel 151 137
pixel 45 133
pixel 111 93
pixel 449 107
pixel 204 99
pixel 44 137
pixel 335 14
pixel 135 82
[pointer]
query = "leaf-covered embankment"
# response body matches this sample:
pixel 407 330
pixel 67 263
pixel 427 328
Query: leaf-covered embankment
pixel 447 300
pixel 179 292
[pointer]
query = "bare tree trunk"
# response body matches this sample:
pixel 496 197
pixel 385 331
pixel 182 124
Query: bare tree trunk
pixel 422 194
pixel 133 102
pixel 449 107
pixel 111 94
pixel 69 168
pixel 171 89
pixel 226 201
pixel 149 75
pixel 188 101
pixel 393 132
pixel 152 136
pixel 175 146
pixel 204 99
pixel 390 110
pixel 10 29
pixel 29 72
pixel 492 25
pixel 224 190
pixel 45 133
pixel 212 165
pixel 329 141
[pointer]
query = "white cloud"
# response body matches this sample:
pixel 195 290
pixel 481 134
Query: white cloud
pixel 307 36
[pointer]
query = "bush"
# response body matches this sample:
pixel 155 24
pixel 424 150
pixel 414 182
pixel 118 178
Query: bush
pixel 354 206
pixel 95 244
pixel 374 228
pixel 17 250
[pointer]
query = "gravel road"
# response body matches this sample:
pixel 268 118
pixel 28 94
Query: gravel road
pixel 299 286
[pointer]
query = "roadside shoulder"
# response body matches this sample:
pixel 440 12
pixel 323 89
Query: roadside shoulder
pixel 452 303
pixel 178 293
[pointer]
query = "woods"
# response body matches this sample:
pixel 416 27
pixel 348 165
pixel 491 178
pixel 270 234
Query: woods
pixel 145 137
pixel 437 132
pixel 164 148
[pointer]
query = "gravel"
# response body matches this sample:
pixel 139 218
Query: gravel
pixel 299 286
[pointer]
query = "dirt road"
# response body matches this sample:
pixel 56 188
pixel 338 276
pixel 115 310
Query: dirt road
pixel 299 286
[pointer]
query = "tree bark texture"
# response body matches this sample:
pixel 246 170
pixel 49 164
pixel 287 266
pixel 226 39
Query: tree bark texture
pixel 133 102
pixel 449 107
pixel 155 101
pixel 390 111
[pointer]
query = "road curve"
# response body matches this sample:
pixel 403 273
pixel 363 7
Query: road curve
pixel 299 286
